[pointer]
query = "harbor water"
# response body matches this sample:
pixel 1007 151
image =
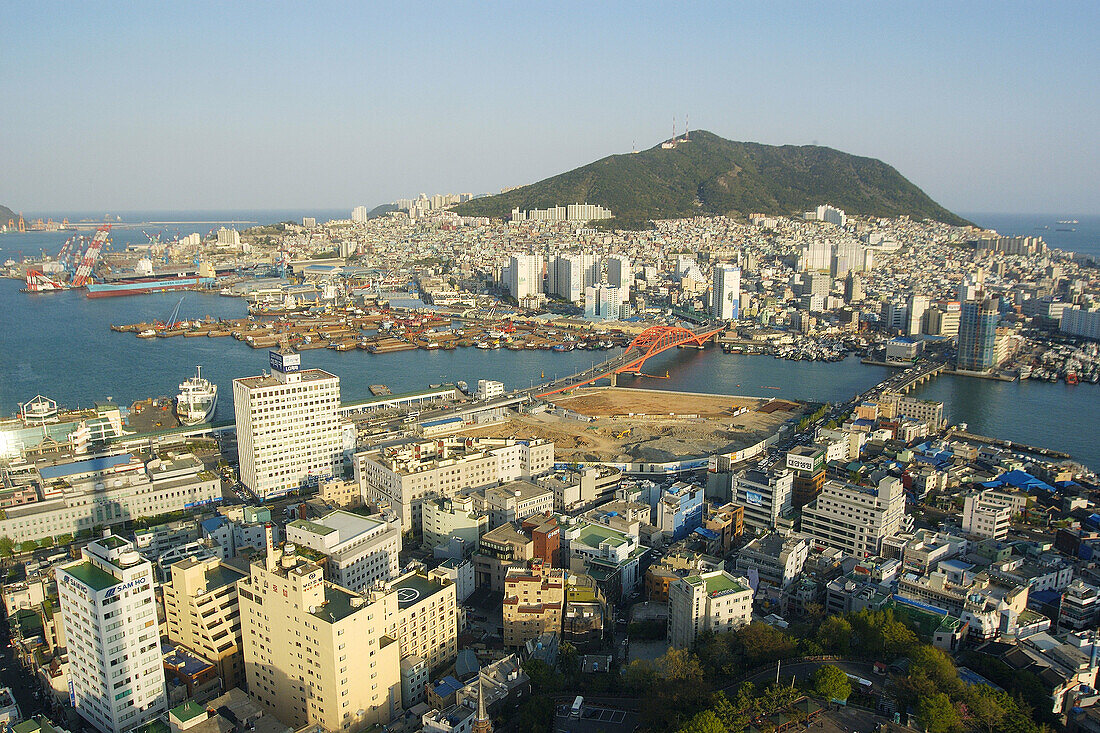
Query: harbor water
pixel 60 345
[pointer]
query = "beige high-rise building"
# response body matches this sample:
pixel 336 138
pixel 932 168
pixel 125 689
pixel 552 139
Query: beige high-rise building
pixel 426 622
pixel 316 653
pixel 534 599
pixel 716 602
pixel 201 613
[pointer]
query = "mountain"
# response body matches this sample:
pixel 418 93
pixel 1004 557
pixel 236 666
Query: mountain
pixel 381 210
pixel 5 214
pixel 712 175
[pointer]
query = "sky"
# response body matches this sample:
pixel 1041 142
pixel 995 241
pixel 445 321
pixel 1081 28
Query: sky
pixel 989 107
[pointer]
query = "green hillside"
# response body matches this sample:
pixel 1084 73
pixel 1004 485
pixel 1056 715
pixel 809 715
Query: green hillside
pixel 712 175
pixel 6 214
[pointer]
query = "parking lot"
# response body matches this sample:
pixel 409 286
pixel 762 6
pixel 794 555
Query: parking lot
pixel 595 718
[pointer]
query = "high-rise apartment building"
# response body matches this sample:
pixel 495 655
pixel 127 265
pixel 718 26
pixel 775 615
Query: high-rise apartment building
pixel 619 273
pixel 116 678
pixel 714 602
pixel 918 305
pixel 202 614
pixel 604 303
pixel 317 654
pixel 854 518
pixel 726 292
pixel 360 551
pixel 978 335
pixel 534 599
pixel 359 214
pixel 288 427
pixel 522 276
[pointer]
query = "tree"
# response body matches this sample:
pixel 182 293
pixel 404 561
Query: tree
pixel 704 722
pixel 835 634
pixel 831 683
pixel 544 679
pixel 936 714
pixel 985 708
pixel 680 664
pixel 45 542
pixel 6 546
pixel 639 675
pixel 28 546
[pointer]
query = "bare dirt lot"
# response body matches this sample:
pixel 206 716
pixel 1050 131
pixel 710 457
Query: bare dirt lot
pixel 625 425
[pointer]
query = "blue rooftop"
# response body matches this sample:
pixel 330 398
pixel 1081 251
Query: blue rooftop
pixel 1024 480
pixel 89 466
pixel 447 686
pixel 441 421
pixel 212 524
pixel 705 533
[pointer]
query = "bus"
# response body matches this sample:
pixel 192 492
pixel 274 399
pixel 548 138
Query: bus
pixel 575 711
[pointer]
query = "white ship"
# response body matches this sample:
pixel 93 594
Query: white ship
pixel 197 399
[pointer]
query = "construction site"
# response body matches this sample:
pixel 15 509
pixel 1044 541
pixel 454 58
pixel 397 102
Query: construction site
pixel 610 424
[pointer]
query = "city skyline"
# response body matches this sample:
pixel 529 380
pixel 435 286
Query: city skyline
pixel 986 108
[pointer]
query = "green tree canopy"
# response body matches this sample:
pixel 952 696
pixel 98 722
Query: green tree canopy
pixel 831 683
pixel 936 714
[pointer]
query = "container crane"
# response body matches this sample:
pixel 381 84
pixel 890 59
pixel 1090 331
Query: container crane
pixel 84 271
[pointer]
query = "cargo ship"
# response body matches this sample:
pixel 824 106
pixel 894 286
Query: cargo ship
pixel 139 286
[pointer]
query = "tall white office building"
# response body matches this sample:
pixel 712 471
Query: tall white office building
pixel 523 276
pixel 359 214
pixel 288 427
pixel 116 680
pixel 726 292
pixel 854 518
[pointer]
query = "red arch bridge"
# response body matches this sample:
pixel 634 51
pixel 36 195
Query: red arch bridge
pixel 648 343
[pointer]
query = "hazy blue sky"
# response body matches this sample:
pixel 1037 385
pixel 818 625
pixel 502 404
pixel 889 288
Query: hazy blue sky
pixel 987 106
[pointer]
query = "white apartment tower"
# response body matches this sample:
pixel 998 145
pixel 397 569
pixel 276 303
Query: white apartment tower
pixel 524 276
pixel 619 273
pixel 288 427
pixel 116 681
pixel 726 292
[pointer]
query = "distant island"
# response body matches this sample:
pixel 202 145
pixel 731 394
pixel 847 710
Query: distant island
pixel 704 174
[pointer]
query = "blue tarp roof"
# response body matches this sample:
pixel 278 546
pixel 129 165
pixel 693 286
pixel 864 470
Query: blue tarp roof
pixel 709 534
pixel 89 466
pixel 1024 480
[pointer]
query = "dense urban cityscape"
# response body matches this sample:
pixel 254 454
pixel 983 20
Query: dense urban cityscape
pixel 701 436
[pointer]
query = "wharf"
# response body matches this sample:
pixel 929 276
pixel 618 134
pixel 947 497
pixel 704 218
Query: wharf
pixel 1023 447
pixel 384 332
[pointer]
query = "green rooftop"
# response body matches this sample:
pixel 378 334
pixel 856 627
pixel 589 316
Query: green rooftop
pixel 595 535
pixel 337 605
pixel 414 588
pixel 37 724
pixel 91 576
pixel 188 711
pixel 717 583
pixel 314 527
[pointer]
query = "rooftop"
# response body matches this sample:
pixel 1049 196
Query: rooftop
pixel 413 589
pixel 306 375
pixel 338 605
pixel 91 575
pixel 716 583
pixel 595 535
pixel 187 711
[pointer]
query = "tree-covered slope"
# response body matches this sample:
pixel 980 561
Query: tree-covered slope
pixel 711 175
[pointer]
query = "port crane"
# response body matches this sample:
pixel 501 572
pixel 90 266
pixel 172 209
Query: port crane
pixel 84 271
